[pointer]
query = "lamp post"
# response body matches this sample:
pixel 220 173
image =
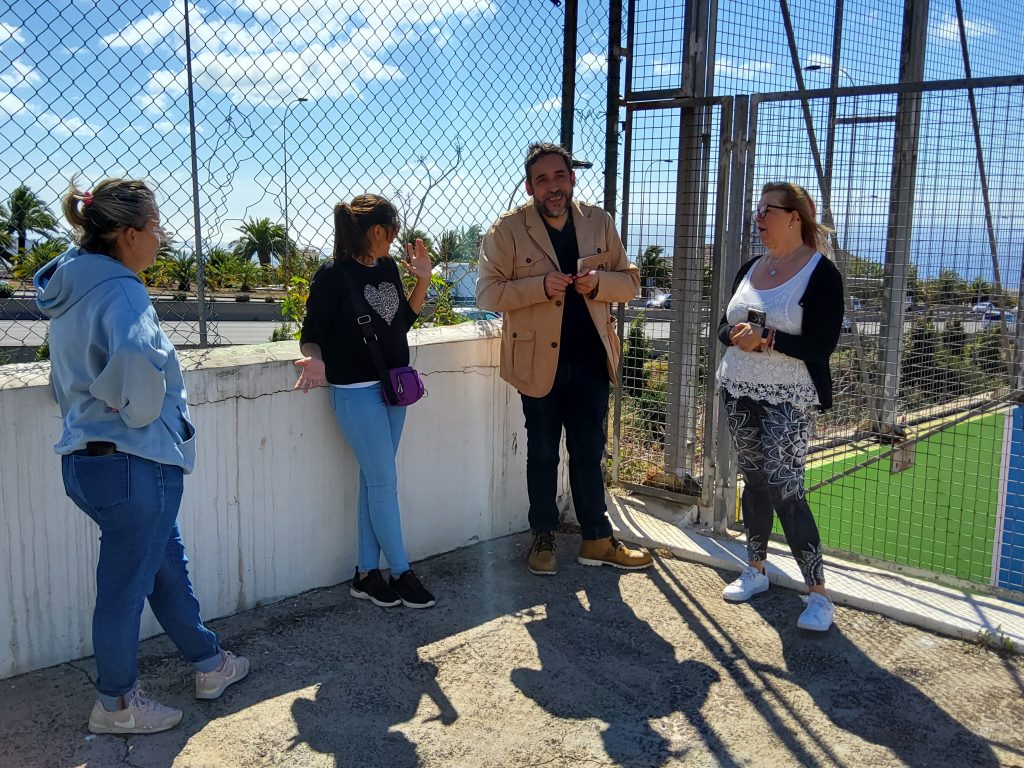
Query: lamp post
pixel 853 145
pixel 284 146
pixel 642 177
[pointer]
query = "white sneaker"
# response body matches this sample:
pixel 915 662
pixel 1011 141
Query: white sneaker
pixel 140 715
pixel 751 582
pixel 817 616
pixel 210 685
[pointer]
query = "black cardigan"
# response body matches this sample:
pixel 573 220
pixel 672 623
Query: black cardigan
pixel 822 325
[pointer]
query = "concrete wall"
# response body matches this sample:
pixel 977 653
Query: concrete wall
pixel 270 509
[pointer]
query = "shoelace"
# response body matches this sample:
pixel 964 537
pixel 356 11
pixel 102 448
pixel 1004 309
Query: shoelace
pixel 545 543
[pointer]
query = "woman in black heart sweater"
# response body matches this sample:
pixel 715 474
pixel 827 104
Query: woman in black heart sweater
pixel 362 282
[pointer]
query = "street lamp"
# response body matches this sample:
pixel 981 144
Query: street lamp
pixel 641 177
pixel 284 146
pixel 853 145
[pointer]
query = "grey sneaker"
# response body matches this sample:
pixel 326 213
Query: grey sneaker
pixel 140 715
pixel 751 582
pixel 210 685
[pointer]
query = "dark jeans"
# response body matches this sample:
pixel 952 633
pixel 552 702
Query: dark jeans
pixel 135 503
pixel 578 402
pixel 771 448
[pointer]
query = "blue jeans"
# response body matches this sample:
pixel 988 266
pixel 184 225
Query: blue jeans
pixel 373 429
pixel 577 402
pixel 135 503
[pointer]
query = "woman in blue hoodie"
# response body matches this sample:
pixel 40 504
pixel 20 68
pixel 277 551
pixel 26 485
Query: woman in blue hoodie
pixel 127 442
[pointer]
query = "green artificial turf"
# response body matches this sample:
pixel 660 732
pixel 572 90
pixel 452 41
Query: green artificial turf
pixel 939 515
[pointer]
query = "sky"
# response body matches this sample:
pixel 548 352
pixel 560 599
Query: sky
pixel 439 98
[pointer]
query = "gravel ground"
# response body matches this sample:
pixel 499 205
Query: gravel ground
pixel 590 668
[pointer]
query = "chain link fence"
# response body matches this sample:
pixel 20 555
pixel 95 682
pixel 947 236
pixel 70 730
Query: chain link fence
pixel 252 119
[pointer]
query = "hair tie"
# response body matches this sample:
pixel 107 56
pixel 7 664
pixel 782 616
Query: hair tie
pixel 87 199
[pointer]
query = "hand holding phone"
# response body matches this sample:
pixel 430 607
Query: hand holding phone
pixel 757 317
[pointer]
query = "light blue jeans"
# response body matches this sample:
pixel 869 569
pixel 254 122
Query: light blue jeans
pixel 373 429
pixel 135 503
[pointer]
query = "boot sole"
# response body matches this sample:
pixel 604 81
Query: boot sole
pixel 541 573
pixel 595 563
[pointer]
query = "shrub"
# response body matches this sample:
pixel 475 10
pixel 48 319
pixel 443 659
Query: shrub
pixel 6 290
pixel 634 357
pixel 268 299
pixel 242 296
pixel 179 296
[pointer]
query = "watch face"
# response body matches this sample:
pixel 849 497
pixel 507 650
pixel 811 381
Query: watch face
pixel 764 333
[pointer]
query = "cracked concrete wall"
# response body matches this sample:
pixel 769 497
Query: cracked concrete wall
pixel 270 509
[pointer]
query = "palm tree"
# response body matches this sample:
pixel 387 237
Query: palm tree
pixel 407 235
pixel 27 213
pixel 263 239
pixel 654 268
pixel 5 232
pixel 179 270
pixel 30 262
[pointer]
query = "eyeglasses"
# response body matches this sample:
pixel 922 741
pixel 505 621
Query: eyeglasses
pixel 762 210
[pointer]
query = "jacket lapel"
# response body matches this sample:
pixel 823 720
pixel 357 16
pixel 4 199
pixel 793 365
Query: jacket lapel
pixel 584 225
pixel 539 234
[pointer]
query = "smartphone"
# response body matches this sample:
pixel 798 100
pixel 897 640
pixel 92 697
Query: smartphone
pixel 757 317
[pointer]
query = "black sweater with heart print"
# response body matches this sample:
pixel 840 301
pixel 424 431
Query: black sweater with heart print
pixel 331 318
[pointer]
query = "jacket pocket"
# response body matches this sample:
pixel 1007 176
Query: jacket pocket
pixel 522 355
pixel 614 342
pixel 530 263
pixel 101 481
pixel 180 427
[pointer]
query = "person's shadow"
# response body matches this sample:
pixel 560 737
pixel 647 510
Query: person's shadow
pixel 599 660
pixel 861 697
pixel 339 712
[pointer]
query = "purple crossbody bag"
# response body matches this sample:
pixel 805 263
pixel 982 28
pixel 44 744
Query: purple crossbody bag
pixel 402 385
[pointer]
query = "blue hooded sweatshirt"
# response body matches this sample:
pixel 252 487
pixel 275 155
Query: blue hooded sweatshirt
pixel 114 372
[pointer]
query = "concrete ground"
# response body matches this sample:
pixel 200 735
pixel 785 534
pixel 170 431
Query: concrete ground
pixel 593 667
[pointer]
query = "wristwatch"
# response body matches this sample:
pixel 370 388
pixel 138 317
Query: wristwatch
pixel 765 332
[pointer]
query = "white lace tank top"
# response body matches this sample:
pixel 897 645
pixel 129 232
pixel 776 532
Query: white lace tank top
pixel 773 376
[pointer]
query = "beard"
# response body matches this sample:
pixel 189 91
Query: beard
pixel 553 209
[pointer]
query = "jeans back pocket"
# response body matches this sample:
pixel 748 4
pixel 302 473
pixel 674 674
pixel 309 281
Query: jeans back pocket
pixel 99 481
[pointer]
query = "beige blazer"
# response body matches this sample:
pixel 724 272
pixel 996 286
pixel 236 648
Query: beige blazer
pixel 517 253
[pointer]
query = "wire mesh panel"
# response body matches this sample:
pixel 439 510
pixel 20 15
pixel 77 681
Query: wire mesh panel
pixel 671 208
pixel 928 493
pixel 294 106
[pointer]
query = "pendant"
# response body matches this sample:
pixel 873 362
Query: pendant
pixel 772 272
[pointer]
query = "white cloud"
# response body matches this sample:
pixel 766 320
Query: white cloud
pixel 590 63
pixel 19 74
pixel 9 32
pixel 11 104
pixel 949 28
pixel 665 68
pixel 65 126
pixel 545 106
pixel 747 70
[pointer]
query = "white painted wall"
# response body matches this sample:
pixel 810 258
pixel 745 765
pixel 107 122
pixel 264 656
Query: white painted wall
pixel 270 509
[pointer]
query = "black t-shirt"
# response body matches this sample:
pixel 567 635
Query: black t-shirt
pixel 580 340
pixel 331 318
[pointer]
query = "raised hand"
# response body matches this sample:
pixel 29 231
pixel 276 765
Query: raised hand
pixel 417 262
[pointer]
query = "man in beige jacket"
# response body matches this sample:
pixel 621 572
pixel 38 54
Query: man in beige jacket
pixel 553 267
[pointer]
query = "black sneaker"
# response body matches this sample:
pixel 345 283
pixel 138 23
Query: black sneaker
pixel 372 587
pixel 411 592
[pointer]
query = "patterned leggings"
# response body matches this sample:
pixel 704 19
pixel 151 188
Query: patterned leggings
pixel 771 446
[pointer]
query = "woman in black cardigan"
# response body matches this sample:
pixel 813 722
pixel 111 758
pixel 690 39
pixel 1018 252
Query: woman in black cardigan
pixel 781 325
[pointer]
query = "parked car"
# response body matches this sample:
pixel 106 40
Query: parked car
pixel 984 306
pixel 991 318
pixel 847 325
pixel 664 301
pixel 857 303
pixel 473 313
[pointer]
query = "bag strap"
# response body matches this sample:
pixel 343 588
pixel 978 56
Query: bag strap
pixel 364 319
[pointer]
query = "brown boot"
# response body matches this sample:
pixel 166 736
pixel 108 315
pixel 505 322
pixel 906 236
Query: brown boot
pixel 611 551
pixel 542 554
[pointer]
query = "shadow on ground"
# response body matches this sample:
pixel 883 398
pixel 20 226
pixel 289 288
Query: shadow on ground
pixel 591 667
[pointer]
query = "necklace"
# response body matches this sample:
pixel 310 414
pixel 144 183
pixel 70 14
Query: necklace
pixel 774 260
